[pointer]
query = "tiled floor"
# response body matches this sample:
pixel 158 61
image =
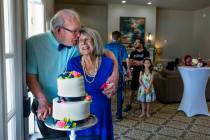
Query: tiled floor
pixel 166 123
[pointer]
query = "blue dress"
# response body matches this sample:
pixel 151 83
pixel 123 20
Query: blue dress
pixel 101 105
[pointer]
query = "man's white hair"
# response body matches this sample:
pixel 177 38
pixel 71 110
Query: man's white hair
pixel 58 20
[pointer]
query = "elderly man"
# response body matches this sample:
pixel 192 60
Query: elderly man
pixel 47 56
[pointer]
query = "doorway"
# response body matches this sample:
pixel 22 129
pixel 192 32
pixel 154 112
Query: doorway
pixel 36 25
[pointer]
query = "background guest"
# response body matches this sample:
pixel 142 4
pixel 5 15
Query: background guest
pixel 146 93
pixel 136 61
pixel 188 60
pixel 121 55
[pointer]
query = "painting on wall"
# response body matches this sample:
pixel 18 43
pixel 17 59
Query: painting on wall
pixel 132 28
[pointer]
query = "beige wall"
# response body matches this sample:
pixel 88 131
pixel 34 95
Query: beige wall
pixel 94 16
pixel 183 32
pixel 175 33
pixel 202 32
pixel 49 4
pixel 115 11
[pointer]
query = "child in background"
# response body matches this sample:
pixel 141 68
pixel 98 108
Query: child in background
pixel 146 93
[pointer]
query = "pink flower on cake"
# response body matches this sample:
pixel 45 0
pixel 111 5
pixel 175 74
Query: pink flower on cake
pixel 60 124
pixel 88 98
pixel 76 74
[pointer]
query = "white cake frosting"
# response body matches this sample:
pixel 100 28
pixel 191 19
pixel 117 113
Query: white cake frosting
pixel 69 88
pixel 73 87
pixel 75 111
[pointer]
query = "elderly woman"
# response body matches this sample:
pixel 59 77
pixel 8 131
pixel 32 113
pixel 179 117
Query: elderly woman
pixel 96 68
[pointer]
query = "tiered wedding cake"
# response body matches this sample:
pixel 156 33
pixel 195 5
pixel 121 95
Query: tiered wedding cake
pixel 73 104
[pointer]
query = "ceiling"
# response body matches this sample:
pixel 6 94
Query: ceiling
pixel 169 4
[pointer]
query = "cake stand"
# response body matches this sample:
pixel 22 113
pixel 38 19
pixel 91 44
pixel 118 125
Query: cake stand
pixel 91 121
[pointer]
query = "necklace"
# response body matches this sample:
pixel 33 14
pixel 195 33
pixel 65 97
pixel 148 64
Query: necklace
pixel 88 73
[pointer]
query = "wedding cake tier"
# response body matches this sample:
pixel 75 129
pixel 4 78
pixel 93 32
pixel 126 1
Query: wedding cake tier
pixel 73 110
pixel 73 104
pixel 71 87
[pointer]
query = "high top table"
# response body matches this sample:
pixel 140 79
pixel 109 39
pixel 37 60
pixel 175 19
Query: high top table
pixel 194 100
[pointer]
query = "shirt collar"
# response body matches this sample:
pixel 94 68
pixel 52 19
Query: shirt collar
pixel 53 40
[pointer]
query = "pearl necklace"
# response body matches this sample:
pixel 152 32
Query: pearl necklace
pixel 86 73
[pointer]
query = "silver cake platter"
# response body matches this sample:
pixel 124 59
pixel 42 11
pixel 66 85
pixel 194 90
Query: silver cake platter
pixel 89 122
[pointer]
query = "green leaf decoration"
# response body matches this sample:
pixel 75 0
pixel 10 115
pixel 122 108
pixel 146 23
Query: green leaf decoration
pixel 66 127
pixel 65 120
pixel 74 124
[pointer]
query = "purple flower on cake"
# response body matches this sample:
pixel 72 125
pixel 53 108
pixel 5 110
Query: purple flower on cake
pixel 60 124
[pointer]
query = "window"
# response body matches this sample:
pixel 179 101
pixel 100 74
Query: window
pixel 9 69
pixel 35 17
pixel 11 80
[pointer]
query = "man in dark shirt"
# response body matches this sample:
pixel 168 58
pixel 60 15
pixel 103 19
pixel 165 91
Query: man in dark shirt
pixel 136 62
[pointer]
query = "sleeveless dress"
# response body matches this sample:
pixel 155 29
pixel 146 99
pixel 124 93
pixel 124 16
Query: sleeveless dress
pixel 146 97
pixel 101 105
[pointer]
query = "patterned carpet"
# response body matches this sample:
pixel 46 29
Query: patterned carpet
pixel 166 123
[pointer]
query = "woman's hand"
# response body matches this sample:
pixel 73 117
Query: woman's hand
pixel 108 90
pixel 113 81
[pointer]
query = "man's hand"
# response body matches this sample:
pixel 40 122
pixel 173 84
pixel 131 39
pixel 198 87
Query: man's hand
pixel 44 109
pixel 128 73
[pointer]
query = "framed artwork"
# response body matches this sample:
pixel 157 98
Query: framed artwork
pixel 132 28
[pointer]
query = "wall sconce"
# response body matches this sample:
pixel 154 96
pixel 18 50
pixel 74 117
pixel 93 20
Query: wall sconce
pixel 158 51
pixel 149 38
pixel 158 48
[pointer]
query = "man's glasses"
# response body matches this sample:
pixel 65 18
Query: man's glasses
pixel 71 31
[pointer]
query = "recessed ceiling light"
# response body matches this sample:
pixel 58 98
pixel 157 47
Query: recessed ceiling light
pixel 123 1
pixel 149 3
